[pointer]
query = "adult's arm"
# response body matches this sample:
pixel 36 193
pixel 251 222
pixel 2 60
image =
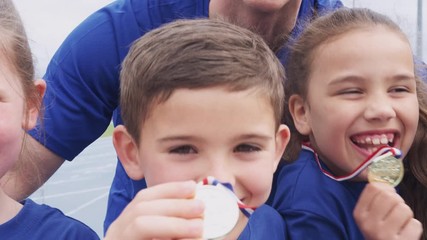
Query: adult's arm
pixel 81 95
pixel 22 181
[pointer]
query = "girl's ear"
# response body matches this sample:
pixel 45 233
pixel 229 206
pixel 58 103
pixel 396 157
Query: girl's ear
pixel 299 112
pixel 34 107
pixel 282 139
pixel 127 151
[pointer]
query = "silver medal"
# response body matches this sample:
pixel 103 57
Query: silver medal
pixel 221 210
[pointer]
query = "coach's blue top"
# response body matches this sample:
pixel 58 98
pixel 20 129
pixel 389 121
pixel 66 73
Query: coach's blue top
pixel 83 77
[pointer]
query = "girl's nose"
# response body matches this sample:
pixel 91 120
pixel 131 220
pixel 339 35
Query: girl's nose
pixel 379 108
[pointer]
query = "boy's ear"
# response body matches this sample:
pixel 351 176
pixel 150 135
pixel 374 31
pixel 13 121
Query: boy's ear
pixel 127 151
pixel 34 107
pixel 282 139
pixel 298 110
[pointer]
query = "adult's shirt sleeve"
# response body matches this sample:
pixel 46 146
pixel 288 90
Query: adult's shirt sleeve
pixel 82 81
pixel 325 6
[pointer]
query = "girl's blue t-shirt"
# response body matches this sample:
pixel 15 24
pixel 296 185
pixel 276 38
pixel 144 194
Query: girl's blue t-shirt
pixel 313 205
pixel 36 221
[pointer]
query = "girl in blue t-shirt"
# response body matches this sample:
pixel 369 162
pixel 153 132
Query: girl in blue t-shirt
pixel 20 104
pixel 351 92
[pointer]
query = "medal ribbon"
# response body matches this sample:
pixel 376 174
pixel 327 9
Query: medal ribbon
pixel 246 210
pixel 384 150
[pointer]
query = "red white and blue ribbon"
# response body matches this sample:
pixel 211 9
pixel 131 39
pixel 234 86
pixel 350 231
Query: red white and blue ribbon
pixel 246 210
pixel 384 150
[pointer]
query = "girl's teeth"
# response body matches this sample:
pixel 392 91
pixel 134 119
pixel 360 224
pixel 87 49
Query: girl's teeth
pixel 384 139
pixel 376 141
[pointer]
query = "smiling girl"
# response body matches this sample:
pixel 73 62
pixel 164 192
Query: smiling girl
pixel 351 90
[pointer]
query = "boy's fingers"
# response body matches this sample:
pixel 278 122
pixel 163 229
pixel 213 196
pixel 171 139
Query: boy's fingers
pixel 167 190
pixel 166 194
pixel 183 208
pixel 166 227
pixel 159 227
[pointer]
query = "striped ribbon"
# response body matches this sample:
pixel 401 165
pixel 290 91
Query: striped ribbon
pixel 384 150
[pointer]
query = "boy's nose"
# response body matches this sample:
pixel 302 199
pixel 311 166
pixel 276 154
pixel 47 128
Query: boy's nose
pixel 221 171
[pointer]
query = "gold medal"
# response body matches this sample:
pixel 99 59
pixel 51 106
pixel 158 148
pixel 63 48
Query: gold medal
pixel 386 168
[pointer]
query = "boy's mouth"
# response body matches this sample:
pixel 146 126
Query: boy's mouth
pixel 371 142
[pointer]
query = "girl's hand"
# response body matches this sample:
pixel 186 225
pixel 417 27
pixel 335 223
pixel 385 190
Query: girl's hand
pixel 165 211
pixel 381 213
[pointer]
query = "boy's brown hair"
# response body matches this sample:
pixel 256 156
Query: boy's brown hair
pixel 196 54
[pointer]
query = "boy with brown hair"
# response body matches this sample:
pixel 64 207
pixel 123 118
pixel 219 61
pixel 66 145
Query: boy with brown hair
pixel 201 102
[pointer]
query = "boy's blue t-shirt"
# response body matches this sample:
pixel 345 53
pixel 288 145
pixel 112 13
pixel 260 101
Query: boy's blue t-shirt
pixel 36 221
pixel 265 223
pixel 313 205
pixel 82 96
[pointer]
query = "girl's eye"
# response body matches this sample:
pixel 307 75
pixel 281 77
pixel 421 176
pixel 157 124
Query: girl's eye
pixel 351 91
pixel 400 90
pixel 246 148
pixel 186 149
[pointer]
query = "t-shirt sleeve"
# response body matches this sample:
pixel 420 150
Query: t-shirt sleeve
pixel 83 82
pixel 325 6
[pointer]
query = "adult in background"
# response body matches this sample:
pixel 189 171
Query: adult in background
pixel 83 76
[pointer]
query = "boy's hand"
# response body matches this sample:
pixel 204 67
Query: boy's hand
pixel 165 211
pixel 381 213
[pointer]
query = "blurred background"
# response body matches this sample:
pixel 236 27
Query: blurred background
pixel 80 188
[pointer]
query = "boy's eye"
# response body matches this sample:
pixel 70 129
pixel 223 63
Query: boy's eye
pixel 246 148
pixel 186 149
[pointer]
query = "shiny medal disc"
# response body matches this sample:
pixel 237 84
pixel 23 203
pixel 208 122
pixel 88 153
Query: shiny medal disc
pixel 386 168
pixel 221 210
